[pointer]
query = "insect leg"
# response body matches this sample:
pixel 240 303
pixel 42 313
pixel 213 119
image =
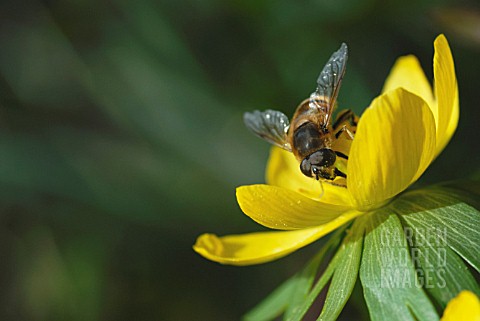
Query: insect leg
pixel 344 129
pixel 340 173
pixel 341 155
pixel 343 117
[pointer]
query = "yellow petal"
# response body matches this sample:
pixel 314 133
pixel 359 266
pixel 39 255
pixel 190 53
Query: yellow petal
pixel 408 74
pixel 280 208
pixel 255 248
pixel 464 307
pixel 394 144
pixel 446 92
pixel 284 170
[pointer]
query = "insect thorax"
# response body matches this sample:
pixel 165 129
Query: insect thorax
pixel 308 138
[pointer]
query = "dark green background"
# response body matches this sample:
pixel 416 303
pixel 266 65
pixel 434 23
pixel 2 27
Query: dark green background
pixel 121 139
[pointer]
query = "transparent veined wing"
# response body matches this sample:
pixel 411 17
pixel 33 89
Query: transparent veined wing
pixel 329 82
pixel 271 125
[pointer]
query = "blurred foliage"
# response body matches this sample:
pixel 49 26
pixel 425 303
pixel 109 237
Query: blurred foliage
pixel 122 140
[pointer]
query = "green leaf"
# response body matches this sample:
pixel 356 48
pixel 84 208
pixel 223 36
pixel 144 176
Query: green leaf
pixel 468 191
pixel 344 269
pixel 293 291
pixel 387 273
pixel 306 278
pixel 274 304
pixel 304 283
pixel 299 311
pixel 442 209
pixel 442 273
pixel 346 272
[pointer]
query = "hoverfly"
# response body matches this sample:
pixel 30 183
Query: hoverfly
pixel 310 135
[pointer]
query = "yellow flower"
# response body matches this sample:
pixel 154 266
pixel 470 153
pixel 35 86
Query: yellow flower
pixel 464 307
pixel 397 137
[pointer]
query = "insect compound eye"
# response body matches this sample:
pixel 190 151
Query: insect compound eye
pixel 324 157
pixel 306 167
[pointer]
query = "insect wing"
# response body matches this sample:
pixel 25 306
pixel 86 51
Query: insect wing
pixel 270 125
pixel 328 83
